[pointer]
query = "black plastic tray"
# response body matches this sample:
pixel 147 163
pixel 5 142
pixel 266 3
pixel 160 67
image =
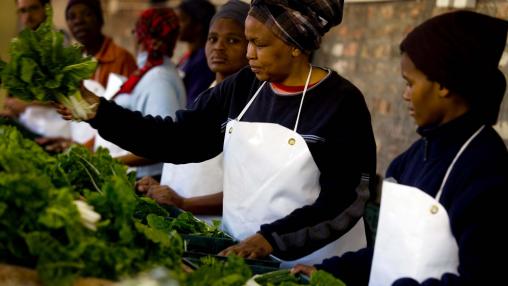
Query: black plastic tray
pixel 205 244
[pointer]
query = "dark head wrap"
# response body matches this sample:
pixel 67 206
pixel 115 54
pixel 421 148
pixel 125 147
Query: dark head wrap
pixel 94 5
pixel 300 23
pixel 200 11
pixel 233 9
pixel 461 51
pixel 157 30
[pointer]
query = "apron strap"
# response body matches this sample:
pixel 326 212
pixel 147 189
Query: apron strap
pixel 250 102
pixel 303 96
pixel 438 195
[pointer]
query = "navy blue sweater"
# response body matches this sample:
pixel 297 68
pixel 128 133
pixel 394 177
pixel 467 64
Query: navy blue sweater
pixel 475 196
pixel 334 122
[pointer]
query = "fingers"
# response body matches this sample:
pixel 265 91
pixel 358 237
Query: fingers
pixel 54 144
pixel 305 269
pixel 144 184
pixel 64 111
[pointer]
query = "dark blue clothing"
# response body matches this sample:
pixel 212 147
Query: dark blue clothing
pixel 197 75
pixel 474 196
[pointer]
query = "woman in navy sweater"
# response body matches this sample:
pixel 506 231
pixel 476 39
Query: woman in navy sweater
pixel 442 206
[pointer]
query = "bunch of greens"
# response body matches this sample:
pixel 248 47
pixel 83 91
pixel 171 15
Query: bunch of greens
pixel 231 272
pixel 41 68
pixel 285 278
pixel 88 170
pixel 186 223
pixel 43 226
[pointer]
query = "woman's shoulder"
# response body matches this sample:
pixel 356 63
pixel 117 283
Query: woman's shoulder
pixel 338 82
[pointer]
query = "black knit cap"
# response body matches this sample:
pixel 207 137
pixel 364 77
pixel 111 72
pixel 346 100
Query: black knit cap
pixel 461 50
pixel 94 5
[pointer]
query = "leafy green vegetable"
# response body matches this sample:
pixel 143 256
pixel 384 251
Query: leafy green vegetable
pixel 232 272
pixel 42 68
pixel 323 278
pixel 41 227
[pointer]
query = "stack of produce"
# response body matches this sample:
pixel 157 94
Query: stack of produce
pixel 64 232
pixel 41 68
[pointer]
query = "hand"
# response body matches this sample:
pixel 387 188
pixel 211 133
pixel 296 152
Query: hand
pixel 164 195
pixel 13 107
pixel 84 109
pixel 255 246
pixel 54 144
pixel 144 184
pixel 305 269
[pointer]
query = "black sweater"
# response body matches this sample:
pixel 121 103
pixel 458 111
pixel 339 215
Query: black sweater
pixel 335 123
pixel 474 196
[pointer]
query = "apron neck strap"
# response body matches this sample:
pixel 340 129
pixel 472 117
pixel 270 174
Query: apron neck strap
pixel 303 96
pixel 438 195
pixel 250 101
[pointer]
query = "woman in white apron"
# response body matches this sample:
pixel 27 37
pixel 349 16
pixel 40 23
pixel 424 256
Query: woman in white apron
pixel 295 139
pixel 443 206
pixel 225 53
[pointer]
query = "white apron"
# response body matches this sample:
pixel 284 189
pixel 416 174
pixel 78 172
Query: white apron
pixel 195 179
pixel 414 238
pixel 269 172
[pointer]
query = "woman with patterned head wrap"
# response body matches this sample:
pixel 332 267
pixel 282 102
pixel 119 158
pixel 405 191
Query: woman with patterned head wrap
pixel 296 139
pixel 154 88
pixel 441 212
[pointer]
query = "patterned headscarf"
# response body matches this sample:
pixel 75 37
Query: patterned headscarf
pixel 300 23
pixel 157 30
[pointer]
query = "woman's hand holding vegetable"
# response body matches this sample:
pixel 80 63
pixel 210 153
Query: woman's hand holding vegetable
pixel 255 246
pixel 85 110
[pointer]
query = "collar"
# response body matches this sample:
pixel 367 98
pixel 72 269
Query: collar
pixel 106 54
pixel 441 139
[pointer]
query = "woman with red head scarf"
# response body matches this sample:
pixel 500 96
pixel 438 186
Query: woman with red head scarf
pixel 155 87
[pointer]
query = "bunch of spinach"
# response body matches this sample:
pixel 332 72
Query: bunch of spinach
pixel 42 68
pixel 40 225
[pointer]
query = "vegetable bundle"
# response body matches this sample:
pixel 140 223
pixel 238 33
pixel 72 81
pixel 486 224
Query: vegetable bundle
pixel 46 223
pixel 43 69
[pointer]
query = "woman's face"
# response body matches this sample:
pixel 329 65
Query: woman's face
pixel 425 104
pixel 83 23
pixel 226 47
pixel 269 57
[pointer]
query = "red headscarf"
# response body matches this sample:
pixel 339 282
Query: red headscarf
pixel 157 31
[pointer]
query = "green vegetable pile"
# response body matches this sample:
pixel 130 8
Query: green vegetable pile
pixel 43 226
pixel 229 272
pixel 42 68
pixel 285 278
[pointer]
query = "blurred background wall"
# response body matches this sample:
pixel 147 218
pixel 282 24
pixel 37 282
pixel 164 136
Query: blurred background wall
pixel 364 49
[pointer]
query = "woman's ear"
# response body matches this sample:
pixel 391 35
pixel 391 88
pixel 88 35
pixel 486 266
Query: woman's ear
pixel 443 91
pixel 295 52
